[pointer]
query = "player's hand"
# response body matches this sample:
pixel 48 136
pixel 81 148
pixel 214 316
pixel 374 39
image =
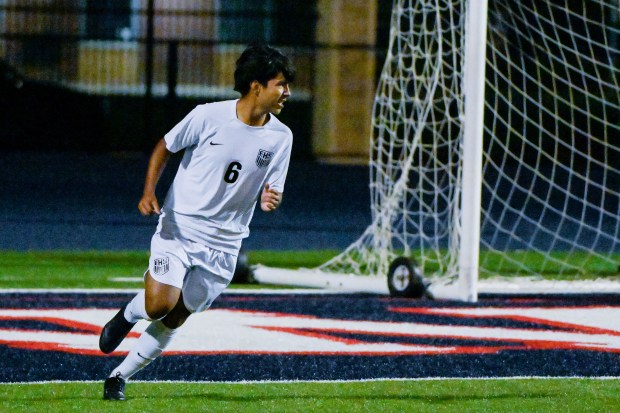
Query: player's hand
pixel 269 199
pixel 148 205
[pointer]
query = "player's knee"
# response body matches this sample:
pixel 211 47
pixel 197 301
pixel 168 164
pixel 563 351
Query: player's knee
pixel 174 320
pixel 178 315
pixel 160 298
pixel 157 310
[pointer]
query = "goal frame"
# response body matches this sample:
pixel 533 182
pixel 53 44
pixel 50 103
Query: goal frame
pixel 473 125
pixel 390 235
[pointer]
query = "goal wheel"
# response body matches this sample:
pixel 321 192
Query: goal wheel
pixel 405 279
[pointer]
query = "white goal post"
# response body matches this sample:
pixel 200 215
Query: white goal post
pixel 495 152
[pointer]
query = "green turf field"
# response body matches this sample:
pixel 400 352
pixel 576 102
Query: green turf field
pixel 99 269
pixel 124 269
pixel 521 395
pixel 103 269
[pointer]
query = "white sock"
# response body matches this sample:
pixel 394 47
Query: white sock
pixel 136 309
pixel 149 346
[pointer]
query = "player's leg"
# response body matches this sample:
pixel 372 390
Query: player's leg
pixel 162 296
pixel 149 346
pixel 152 341
pixel 153 303
pixel 211 273
pixel 162 288
pixel 201 286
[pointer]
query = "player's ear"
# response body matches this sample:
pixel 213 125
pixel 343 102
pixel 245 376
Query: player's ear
pixel 255 87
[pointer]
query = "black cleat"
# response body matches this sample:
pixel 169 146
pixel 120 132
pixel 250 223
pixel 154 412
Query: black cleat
pixel 114 388
pixel 114 332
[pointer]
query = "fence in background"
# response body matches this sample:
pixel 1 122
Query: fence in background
pixel 141 47
pixel 141 61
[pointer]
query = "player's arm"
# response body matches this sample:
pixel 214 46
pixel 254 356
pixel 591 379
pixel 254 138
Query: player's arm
pixel 148 204
pixel 270 199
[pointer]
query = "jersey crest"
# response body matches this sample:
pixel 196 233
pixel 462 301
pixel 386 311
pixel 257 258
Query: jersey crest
pixel 263 158
pixel 161 266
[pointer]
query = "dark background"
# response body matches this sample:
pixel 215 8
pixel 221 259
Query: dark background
pixel 84 201
pixel 72 164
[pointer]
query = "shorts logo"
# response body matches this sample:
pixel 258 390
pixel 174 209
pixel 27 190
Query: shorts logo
pixel 161 266
pixel 264 158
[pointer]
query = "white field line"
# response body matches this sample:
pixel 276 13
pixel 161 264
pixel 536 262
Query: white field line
pixel 249 291
pixel 419 379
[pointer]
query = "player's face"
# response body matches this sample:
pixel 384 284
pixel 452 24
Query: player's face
pixel 275 93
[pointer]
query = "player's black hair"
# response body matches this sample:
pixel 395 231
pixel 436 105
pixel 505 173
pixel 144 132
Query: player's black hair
pixel 262 63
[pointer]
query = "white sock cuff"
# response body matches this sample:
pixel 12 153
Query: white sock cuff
pixel 159 330
pixel 149 346
pixel 136 309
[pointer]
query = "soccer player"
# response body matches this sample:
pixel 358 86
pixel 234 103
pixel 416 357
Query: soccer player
pixel 236 152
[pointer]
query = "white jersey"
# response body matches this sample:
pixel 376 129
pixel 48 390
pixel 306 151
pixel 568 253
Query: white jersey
pixel 225 166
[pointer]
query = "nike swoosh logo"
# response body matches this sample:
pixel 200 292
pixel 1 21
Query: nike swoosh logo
pixel 213 143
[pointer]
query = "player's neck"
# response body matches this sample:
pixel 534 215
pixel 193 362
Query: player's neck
pixel 250 114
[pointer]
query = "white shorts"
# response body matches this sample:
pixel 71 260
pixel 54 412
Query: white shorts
pixel 202 273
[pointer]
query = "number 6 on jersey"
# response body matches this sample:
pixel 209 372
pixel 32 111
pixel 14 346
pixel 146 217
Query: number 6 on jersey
pixel 232 172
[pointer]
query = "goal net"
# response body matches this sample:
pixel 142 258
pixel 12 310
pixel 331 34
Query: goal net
pixel 549 204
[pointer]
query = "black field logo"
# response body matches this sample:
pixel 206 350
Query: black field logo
pixel 387 337
pixel 161 266
pixel 263 159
